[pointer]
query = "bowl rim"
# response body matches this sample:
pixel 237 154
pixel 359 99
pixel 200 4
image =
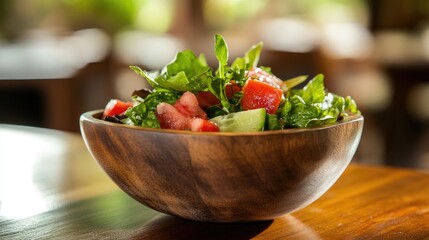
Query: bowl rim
pixel 91 116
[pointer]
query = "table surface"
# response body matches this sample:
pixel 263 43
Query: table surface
pixel 51 188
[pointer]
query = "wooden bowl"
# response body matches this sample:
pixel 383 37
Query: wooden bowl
pixel 222 177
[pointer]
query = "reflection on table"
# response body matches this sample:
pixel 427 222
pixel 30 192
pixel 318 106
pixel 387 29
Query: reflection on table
pixel 42 169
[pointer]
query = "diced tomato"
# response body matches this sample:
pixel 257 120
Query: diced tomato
pixel 115 107
pixel 207 99
pixel 185 114
pixel 170 118
pixel 203 125
pixel 188 105
pixel 257 94
pixel 263 76
pixel 232 89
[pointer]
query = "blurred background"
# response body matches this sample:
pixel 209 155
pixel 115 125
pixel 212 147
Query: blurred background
pixel 60 58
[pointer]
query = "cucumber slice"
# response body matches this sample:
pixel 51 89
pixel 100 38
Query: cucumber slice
pixel 245 121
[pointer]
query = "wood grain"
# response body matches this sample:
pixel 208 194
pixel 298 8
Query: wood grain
pixel 365 203
pixel 374 203
pixel 223 177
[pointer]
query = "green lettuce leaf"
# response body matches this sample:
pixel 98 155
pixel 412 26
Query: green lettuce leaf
pixel 222 55
pixel 149 76
pixel 310 106
pixel 314 106
pixel 250 59
pixel 314 91
pixel 143 113
pixel 186 72
pixel 217 85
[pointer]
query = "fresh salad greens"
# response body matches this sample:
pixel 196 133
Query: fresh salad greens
pixel 314 106
pixel 227 90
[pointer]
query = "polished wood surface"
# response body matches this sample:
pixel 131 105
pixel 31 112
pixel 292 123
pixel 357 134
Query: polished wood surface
pixel 223 177
pixel 51 188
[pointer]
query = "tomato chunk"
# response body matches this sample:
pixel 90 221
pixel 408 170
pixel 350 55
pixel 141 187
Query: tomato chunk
pixel 203 125
pixel 231 89
pixel 207 99
pixel 170 118
pixel 257 94
pixel 115 107
pixel 263 76
pixel 185 114
pixel 188 105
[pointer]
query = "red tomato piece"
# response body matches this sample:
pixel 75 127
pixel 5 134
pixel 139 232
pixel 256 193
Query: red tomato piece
pixel 203 125
pixel 263 76
pixel 170 118
pixel 116 107
pixel 207 99
pixel 232 89
pixel 257 94
pixel 185 114
pixel 188 105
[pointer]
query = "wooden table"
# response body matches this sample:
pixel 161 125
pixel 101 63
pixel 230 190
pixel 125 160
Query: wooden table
pixel 51 188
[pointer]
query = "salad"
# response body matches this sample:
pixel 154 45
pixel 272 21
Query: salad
pixel 187 94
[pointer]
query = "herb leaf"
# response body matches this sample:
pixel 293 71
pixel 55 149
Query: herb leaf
pixel 250 59
pixel 310 106
pixel 143 113
pixel 293 82
pixel 252 56
pixel 314 91
pixel 222 54
pixel 314 106
pixel 149 76
pixel 186 72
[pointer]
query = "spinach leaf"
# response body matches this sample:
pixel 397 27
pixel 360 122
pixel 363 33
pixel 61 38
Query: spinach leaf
pixel 187 62
pixel 350 106
pixel 222 55
pixel 149 76
pixel 217 85
pixel 160 95
pixel 297 113
pixel 140 116
pixel 314 91
pixel 293 82
pixel 310 106
pixel 186 72
pixel 250 59
pixel 143 113
pixel 252 55
pixel 314 106
pixel 136 114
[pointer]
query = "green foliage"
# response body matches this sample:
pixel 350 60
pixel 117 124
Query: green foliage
pixel 314 106
pixel 310 106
